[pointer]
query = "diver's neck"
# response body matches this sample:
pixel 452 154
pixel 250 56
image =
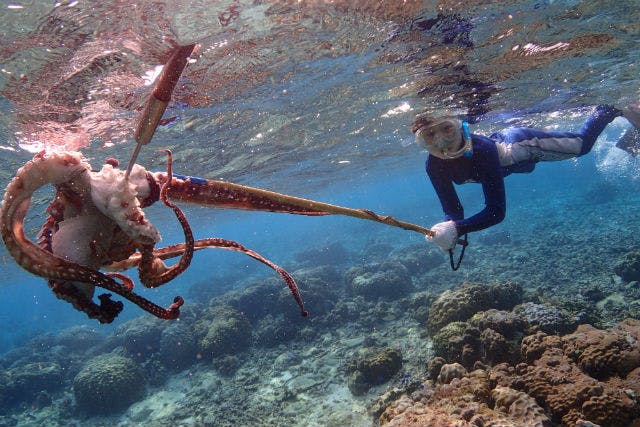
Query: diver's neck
pixel 457 150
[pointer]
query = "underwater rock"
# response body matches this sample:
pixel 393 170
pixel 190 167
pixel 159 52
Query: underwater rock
pixel 108 384
pixel 178 347
pixel 463 302
pixel 26 382
pixel 628 268
pixel 373 369
pixel 141 336
pixel 222 330
pixel 389 280
pixel 546 318
pixel 418 260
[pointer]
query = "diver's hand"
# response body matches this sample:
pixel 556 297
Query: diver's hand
pixel 446 235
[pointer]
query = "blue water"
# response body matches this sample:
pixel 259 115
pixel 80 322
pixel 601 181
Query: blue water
pixel 29 308
pixel 316 100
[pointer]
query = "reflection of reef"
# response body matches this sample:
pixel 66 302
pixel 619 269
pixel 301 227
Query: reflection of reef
pixel 532 56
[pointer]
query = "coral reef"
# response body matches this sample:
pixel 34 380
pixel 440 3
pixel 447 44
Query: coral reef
pixel 450 371
pixel 320 285
pixel 373 369
pixel 545 318
pixel 178 347
pixel 586 378
pixel 107 384
pixel 26 382
pixel 333 253
pixel 628 268
pixel 221 331
pixel 141 336
pixel 468 401
pixel 417 259
pixel 388 280
pixel 463 302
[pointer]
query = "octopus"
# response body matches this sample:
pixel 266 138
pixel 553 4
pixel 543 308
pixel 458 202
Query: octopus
pixel 96 222
pixel 97 228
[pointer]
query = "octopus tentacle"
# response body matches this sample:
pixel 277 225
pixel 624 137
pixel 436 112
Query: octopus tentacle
pixel 104 313
pixel 58 169
pixel 173 251
pixel 148 276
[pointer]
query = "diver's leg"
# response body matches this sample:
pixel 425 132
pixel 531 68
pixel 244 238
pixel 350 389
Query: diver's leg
pixel 526 146
pixel 595 124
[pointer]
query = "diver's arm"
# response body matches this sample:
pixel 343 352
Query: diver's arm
pixel 446 192
pixel 494 195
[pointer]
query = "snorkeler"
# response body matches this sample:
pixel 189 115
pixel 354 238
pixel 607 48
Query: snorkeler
pixel 457 156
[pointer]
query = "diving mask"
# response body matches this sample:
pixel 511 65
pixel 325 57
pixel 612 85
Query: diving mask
pixel 446 139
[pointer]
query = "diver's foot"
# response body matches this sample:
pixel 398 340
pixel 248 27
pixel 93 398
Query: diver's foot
pixel 632 114
pixel 630 141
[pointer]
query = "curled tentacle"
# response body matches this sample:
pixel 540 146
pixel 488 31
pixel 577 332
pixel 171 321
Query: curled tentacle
pixel 148 268
pixel 69 169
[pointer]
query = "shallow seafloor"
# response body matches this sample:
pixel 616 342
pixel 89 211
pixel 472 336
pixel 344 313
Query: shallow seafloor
pixel 280 369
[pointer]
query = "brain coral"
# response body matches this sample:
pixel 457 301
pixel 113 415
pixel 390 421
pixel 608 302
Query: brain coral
pixel 108 384
pixel 463 302
pixel 223 330
pixel 590 378
pixel 465 402
pixel 584 376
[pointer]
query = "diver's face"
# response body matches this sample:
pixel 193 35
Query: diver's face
pixel 441 138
